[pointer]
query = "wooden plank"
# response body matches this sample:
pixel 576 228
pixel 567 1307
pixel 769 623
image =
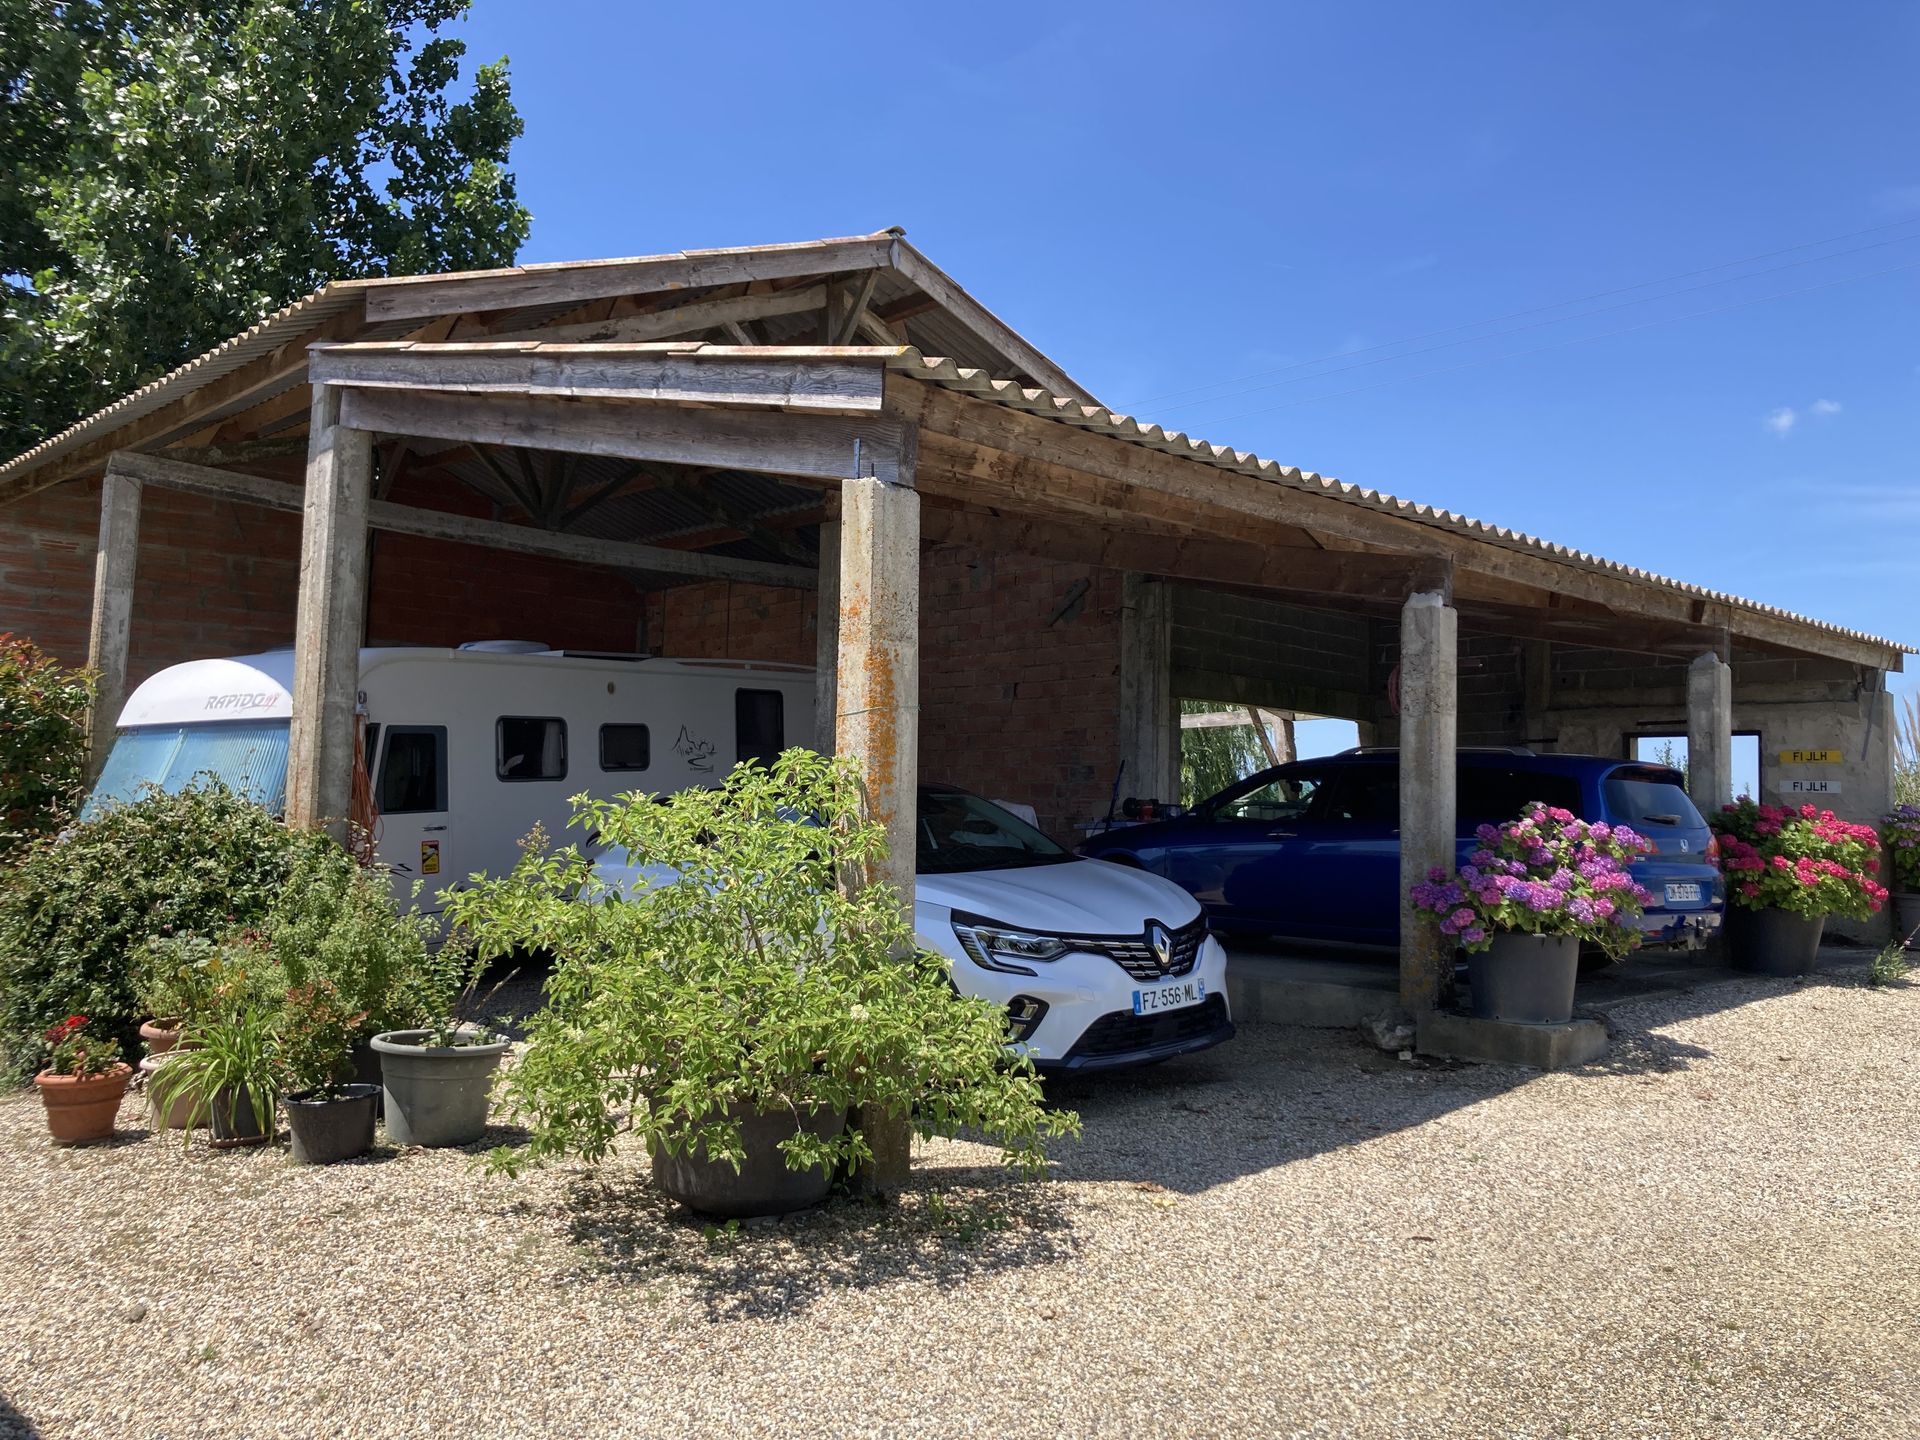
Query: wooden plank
pixel 572 283
pixel 975 448
pixel 683 319
pixel 818 447
pixel 609 373
pixel 467 530
pixel 931 280
pixel 330 620
pixel 843 326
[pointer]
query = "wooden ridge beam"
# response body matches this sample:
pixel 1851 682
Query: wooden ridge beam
pixel 817 447
pixel 573 283
pixel 607 372
pixel 689 319
pixel 464 529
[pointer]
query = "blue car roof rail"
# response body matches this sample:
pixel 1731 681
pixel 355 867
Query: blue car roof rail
pixel 1461 750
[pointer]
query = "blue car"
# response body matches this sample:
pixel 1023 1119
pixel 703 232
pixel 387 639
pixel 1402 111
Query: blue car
pixel 1311 850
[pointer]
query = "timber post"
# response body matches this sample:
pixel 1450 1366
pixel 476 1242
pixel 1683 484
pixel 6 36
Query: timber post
pixel 330 620
pixel 110 629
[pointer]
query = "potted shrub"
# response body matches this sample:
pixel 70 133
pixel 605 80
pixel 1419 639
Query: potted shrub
pixel 1788 869
pixel 175 977
pixel 82 1083
pixel 329 1117
pixel 1901 830
pixel 436 1078
pixel 228 1069
pixel 1535 891
pixel 734 1013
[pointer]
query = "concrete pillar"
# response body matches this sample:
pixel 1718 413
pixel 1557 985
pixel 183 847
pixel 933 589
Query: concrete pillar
pixel 1429 735
pixel 329 621
pixel 110 632
pixel 1710 732
pixel 877 717
pixel 1149 715
pixel 826 664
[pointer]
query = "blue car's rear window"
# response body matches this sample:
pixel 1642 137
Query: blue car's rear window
pixel 1490 794
pixel 1649 798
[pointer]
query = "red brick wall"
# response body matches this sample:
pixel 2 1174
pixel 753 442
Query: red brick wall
pixel 738 622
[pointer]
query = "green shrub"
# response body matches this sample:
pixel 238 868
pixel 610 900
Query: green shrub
pixel 77 907
pixel 43 742
pixel 757 980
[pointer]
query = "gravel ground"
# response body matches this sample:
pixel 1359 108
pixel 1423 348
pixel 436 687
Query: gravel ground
pixel 1712 1233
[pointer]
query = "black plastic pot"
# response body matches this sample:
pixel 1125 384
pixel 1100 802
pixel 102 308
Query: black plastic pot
pixel 328 1128
pixel 764 1185
pixel 1906 920
pixel 1773 942
pixel 366 1071
pixel 234 1122
pixel 1525 978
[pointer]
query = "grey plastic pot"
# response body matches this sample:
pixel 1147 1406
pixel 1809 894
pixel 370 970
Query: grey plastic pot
pixel 435 1094
pixel 327 1129
pixel 1525 978
pixel 1773 942
pixel 764 1184
pixel 1906 920
pixel 234 1120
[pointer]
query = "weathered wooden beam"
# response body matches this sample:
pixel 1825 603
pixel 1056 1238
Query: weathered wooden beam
pixel 682 319
pixel 814 446
pixel 841 327
pixel 110 630
pixel 931 280
pixel 466 529
pixel 607 372
pixel 572 283
pixel 329 621
pixel 981 451
pixel 243 452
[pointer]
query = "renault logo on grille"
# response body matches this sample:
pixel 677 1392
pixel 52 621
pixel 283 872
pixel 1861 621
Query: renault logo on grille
pixel 1160 941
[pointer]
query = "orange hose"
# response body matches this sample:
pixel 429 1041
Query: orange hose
pixel 363 820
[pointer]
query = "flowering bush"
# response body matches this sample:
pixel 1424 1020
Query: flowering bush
pixel 1902 832
pixel 1804 860
pixel 72 1051
pixel 1547 873
pixel 43 741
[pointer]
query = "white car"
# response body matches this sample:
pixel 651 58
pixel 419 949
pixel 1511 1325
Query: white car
pixel 1096 964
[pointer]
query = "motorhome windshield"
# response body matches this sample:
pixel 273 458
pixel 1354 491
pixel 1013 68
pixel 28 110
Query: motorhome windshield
pixel 248 756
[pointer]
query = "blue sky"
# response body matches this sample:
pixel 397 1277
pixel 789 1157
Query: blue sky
pixel 1165 200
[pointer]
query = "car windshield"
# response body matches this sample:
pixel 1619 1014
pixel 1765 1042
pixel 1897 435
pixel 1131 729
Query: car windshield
pixel 1650 797
pixel 960 832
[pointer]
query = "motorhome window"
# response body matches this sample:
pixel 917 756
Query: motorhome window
pixel 413 772
pixel 624 747
pixel 759 724
pixel 530 747
pixel 370 746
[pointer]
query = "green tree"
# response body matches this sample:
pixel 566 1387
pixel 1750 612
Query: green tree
pixel 173 170
pixel 1212 757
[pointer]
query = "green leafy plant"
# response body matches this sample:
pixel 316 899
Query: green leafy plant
pixel 185 977
pixel 74 1049
pixel 317 1029
pixel 235 1057
pixel 1901 831
pixel 1891 966
pixel 43 742
pixel 753 974
pixel 75 909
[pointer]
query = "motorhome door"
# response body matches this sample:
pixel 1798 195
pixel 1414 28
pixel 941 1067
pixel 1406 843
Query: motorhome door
pixel 410 792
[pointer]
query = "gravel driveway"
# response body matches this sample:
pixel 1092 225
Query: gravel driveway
pixel 1714 1233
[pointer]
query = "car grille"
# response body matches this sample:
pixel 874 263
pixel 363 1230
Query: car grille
pixel 1136 957
pixel 1124 1033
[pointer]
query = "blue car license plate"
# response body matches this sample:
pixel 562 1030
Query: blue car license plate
pixel 1169 997
pixel 1683 892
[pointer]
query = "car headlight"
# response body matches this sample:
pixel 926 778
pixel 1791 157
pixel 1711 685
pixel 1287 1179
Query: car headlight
pixel 993 946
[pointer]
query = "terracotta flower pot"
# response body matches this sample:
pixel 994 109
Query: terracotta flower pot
pixel 81 1108
pixel 161 1035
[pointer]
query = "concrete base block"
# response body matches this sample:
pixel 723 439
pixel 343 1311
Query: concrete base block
pixel 1502 1042
pixel 1267 994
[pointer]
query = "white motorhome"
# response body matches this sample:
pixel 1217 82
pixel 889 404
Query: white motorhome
pixel 468 749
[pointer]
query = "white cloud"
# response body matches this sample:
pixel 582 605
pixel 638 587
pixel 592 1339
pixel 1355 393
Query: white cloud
pixel 1782 420
pixel 1824 407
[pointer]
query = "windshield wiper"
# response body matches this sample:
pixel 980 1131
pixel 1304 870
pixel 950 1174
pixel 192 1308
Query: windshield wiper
pixel 1662 819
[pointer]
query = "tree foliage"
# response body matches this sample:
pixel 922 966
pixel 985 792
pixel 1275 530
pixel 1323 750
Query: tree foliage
pixel 173 170
pixel 1212 757
pixel 43 742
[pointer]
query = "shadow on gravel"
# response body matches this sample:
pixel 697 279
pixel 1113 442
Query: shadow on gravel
pixel 14 1425
pixel 952 1225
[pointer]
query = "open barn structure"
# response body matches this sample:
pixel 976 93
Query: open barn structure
pixel 830 452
